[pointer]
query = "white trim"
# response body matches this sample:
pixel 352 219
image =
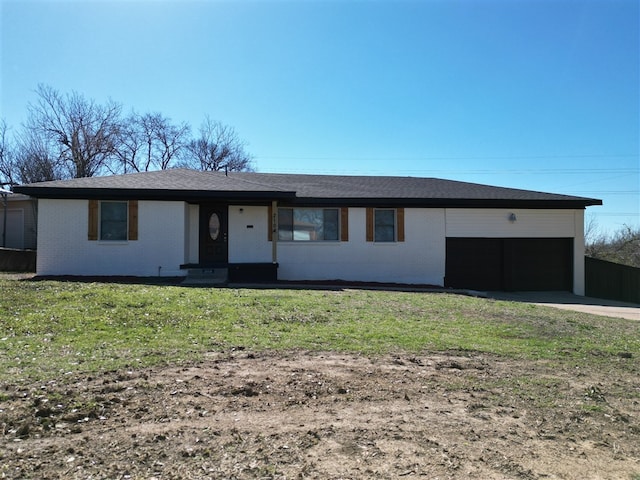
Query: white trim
pixel 578 253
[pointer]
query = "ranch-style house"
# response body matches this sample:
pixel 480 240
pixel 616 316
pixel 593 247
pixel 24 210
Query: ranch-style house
pixel 264 227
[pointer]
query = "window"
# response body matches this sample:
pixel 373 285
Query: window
pixel 113 220
pixel 385 225
pixel 308 224
pixel 214 226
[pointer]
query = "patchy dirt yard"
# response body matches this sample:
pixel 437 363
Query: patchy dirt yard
pixel 329 416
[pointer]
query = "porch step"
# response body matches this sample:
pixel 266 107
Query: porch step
pixel 206 276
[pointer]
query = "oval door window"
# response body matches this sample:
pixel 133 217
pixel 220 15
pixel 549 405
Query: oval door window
pixel 214 226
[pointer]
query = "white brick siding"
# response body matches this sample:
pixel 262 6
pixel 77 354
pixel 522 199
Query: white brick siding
pixel 63 247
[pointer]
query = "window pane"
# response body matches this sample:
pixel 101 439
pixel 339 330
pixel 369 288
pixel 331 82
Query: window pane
pixel 385 227
pixel 113 220
pixel 285 224
pixel 331 224
pixel 214 226
pixel 308 224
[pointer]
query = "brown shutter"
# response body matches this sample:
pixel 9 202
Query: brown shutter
pixel 93 220
pixel 344 224
pixel 400 222
pixel 369 224
pixel 133 220
pixel 270 223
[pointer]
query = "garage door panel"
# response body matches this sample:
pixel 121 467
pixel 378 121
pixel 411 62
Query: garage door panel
pixel 539 264
pixel 474 263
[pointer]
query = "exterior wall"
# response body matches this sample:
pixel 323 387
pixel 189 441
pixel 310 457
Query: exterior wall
pixel 63 248
pixel 420 259
pixel 192 226
pixel 495 223
pixel 168 237
pixel 578 253
pixel 249 234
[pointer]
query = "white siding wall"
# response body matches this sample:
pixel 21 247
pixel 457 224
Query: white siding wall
pixel 578 253
pixel 495 223
pixel 420 259
pixel 192 227
pixel 168 237
pixel 249 234
pixel 63 248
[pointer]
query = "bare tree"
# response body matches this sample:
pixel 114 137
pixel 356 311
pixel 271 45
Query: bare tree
pixel 25 160
pixel 34 160
pixel 7 169
pixel 129 149
pixel 81 134
pixel 69 136
pixel 170 139
pixel 217 148
pixel 150 142
pixel 623 246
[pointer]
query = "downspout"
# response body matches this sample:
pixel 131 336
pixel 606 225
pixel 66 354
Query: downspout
pixel 274 232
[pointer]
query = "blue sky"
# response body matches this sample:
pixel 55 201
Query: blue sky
pixel 540 94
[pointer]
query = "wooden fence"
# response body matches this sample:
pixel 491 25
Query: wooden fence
pixel 611 280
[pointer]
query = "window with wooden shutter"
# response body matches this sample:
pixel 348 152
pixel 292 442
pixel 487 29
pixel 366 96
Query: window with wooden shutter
pixel 93 220
pixel 385 225
pixel 400 224
pixel 133 220
pixel 344 224
pixel 113 220
pixel 369 224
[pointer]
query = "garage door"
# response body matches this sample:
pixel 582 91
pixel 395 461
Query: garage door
pixel 510 263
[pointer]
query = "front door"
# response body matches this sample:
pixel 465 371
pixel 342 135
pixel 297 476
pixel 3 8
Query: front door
pixel 213 234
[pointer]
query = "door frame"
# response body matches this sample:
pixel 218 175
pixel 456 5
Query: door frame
pixel 205 211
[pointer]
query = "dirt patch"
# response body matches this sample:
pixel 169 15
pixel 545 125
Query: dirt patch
pixel 311 415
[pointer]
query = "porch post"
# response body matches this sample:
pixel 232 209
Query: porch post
pixel 274 231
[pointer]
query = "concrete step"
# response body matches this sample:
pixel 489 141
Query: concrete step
pixel 206 276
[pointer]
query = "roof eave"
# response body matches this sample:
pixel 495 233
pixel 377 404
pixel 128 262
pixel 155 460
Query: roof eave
pixel 150 194
pixel 572 204
pixel 292 198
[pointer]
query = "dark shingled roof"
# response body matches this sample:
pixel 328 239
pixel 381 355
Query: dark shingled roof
pixel 191 185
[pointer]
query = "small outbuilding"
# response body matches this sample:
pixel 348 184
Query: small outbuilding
pixel 266 227
pixel 17 221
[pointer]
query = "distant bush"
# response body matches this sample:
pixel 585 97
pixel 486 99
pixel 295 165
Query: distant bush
pixel 621 247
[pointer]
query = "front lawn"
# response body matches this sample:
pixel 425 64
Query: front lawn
pixel 51 328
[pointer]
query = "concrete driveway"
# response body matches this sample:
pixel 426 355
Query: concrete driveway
pixel 568 301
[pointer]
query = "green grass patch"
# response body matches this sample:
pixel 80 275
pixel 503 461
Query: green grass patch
pixel 49 328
